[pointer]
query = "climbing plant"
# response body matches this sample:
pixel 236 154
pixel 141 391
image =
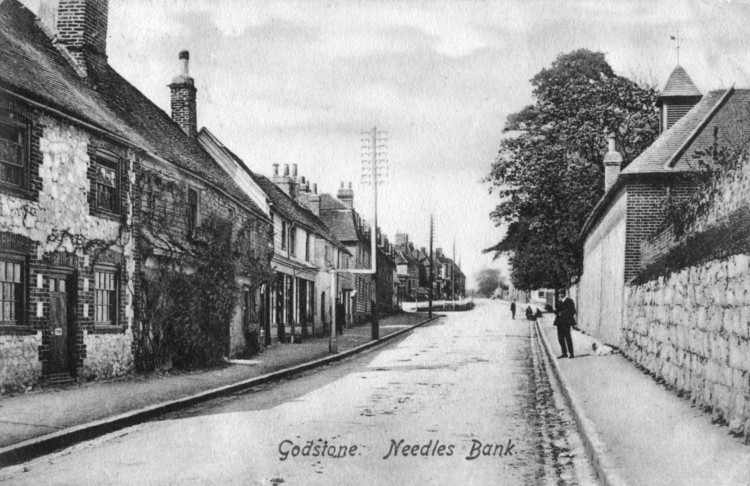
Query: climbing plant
pixel 187 300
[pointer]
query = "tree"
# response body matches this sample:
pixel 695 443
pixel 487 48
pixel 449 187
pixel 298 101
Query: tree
pixel 488 279
pixel 548 173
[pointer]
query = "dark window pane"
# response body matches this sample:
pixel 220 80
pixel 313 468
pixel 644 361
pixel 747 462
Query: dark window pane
pixel 106 185
pixel 11 292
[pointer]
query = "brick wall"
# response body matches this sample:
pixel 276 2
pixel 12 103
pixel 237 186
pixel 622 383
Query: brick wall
pixel 645 216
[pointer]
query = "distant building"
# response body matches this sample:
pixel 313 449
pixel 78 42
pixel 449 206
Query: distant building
pixel 349 228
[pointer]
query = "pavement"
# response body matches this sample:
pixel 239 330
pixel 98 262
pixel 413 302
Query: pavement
pixel 43 420
pixel 636 431
pixel 464 401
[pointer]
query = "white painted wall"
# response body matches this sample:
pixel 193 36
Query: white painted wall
pixel 602 288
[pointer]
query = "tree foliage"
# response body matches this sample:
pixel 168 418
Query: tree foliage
pixel 488 279
pixel 548 173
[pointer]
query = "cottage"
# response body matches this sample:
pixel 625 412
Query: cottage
pixel 99 190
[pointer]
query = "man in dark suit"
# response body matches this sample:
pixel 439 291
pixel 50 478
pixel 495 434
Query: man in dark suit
pixel 566 311
pixel 513 310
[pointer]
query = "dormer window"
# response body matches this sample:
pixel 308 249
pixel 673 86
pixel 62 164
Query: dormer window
pixel 14 154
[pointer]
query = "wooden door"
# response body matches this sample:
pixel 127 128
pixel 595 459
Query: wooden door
pixel 59 359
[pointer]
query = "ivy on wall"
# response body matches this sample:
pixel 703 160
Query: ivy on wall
pixel 187 301
pixel 713 222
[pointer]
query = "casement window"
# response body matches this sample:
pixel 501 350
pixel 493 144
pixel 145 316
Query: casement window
pixel 105 297
pixel 14 153
pixel 11 292
pixel 192 210
pixel 283 235
pixel 107 183
pixel 307 246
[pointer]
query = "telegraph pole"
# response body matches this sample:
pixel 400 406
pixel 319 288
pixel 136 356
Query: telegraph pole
pixel 374 142
pixel 374 171
pixel 432 232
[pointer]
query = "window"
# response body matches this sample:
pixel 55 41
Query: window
pixel 192 211
pixel 293 241
pixel 11 292
pixel 105 297
pixel 106 183
pixel 13 152
pixel 283 235
pixel 307 246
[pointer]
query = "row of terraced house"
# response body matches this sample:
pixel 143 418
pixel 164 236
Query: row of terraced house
pixel 121 226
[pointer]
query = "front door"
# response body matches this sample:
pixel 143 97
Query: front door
pixel 58 322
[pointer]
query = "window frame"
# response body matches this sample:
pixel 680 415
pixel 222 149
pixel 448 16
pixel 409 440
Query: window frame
pixel 292 240
pixel 22 320
pixel 12 119
pixel 192 215
pixel 116 319
pixel 284 233
pixel 112 162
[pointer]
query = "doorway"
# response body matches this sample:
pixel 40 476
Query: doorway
pixel 59 324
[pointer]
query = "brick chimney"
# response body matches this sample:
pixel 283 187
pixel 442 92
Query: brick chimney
pixel 612 164
pixel 183 98
pixel 308 197
pixel 82 29
pixel 346 195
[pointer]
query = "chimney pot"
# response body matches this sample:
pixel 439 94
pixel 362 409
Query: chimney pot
pixel 275 169
pixel 315 188
pixel 286 170
pixel 350 185
pixel 342 184
pixel 294 170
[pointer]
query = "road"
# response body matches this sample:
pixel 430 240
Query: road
pixel 466 400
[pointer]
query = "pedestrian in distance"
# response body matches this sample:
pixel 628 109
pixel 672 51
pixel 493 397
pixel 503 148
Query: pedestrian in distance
pixel 529 313
pixel 565 320
pixel 513 310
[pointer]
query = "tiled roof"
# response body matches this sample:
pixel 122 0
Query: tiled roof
pixel 672 151
pixel 679 84
pixel 292 210
pixel 342 224
pixel 32 66
pixel 719 117
pixel 329 202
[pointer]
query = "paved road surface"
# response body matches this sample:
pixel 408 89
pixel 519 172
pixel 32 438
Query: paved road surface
pixel 463 401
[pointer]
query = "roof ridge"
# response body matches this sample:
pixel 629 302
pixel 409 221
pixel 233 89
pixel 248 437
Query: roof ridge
pixel 698 128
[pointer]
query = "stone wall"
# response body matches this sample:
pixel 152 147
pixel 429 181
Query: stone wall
pixel 692 329
pixel 20 367
pixel 107 355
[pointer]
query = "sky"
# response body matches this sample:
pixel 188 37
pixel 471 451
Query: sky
pixel 298 82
